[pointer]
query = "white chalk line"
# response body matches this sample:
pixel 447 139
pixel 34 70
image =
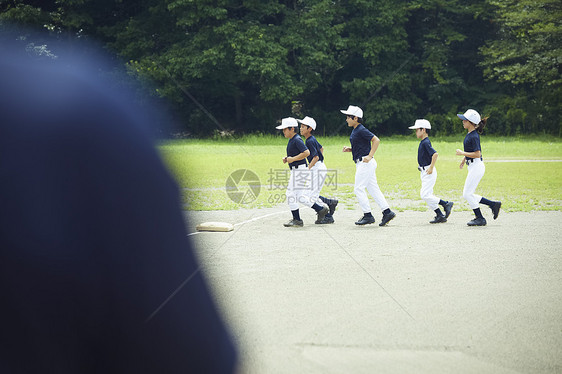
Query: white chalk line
pixel 244 222
pixel 522 160
pixel 258 218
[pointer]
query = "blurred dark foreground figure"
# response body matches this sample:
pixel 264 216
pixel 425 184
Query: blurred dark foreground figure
pixel 92 239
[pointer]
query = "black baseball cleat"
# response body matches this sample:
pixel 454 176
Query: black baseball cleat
pixel 327 219
pixel 448 207
pixel 496 208
pixel 365 220
pixel 294 223
pixel 386 218
pixel 478 221
pixel 322 213
pixel 333 206
pixel 439 219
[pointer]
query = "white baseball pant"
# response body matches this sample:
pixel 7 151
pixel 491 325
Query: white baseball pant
pixel 426 192
pixel 298 190
pixel 476 170
pixel 318 177
pixel 366 178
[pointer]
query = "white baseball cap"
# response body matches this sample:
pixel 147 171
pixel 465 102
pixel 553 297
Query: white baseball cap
pixel 470 115
pixel 421 124
pixel 353 111
pixel 309 121
pixel 287 122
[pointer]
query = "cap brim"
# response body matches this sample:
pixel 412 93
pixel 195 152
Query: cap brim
pixel 461 116
pixel 413 127
pixel 281 127
pixel 300 121
pixel 346 112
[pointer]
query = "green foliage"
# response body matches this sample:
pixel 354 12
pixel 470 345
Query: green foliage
pixel 527 54
pixel 529 47
pixel 238 65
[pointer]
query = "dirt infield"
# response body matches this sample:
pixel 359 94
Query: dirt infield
pixel 407 298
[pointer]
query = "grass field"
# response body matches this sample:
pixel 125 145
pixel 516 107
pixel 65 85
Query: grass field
pixel 201 168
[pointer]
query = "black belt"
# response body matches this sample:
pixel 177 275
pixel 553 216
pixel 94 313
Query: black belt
pixel 296 166
pixel 471 160
pixel 359 159
pixel 422 168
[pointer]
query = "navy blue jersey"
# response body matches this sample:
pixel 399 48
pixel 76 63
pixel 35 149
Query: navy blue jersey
pixel 314 148
pixel 425 152
pixel 472 143
pixel 294 148
pixel 360 140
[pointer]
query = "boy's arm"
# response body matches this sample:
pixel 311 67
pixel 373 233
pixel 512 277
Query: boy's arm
pixel 313 161
pixel 476 154
pixel 433 161
pixel 298 157
pixel 375 141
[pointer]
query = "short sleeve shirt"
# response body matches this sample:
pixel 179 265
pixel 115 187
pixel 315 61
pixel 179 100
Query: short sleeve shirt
pixel 295 147
pixel 472 142
pixel 360 140
pixel 425 152
pixel 314 148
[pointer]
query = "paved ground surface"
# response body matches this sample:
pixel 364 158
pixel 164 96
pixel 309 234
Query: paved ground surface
pixel 407 298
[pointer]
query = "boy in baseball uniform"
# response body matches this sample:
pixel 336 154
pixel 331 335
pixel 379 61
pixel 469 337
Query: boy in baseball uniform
pixel 364 144
pixel 317 167
pixel 472 157
pixel 427 157
pixel 297 189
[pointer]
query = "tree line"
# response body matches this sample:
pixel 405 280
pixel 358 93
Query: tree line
pixel 241 65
